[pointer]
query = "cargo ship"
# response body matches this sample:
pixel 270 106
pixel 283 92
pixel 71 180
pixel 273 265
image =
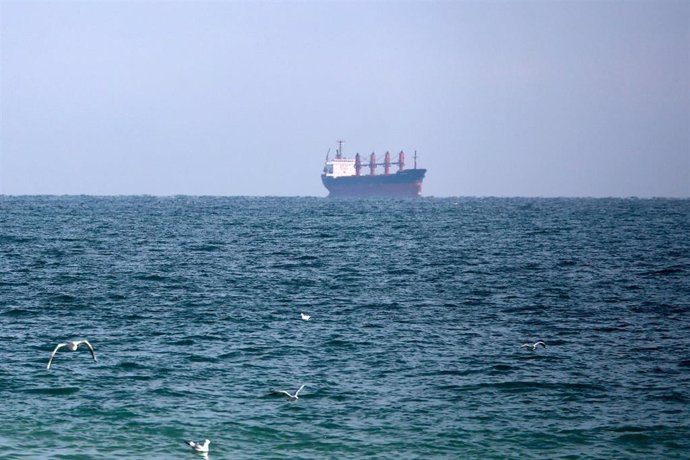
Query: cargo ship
pixel 343 176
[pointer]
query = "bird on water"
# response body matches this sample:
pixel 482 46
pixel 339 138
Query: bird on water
pixel 305 317
pixel 533 346
pixel 72 346
pixel 203 448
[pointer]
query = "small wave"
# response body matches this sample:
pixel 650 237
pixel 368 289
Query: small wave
pixel 17 312
pixel 659 370
pixel 632 287
pixel 684 363
pixel 629 429
pixel 524 386
pixel 454 387
pixel 635 438
pixel 130 365
pixel 151 278
pixel 526 309
pixel 141 378
pixel 567 263
pixel 665 271
pixel 401 271
pixel 157 333
pixel 63 298
pixel 577 386
pixel 611 328
pixel 134 317
pixel 229 355
pixel 660 308
pixel 673 397
pixel 169 392
pixel 206 338
pixel 53 391
pixel 503 367
pixel 202 359
pixel 339 343
pixel 451 372
pixel 646 349
pixel 206 248
pixel 8 239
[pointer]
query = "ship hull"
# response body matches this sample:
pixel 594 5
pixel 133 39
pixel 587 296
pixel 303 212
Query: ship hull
pixel 406 183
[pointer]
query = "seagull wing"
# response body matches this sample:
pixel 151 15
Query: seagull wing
pixel 93 353
pixel 283 392
pixel 52 355
pixel 526 345
pixel 540 343
pixel 300 389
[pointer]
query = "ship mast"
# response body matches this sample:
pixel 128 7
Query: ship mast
pixel 340 148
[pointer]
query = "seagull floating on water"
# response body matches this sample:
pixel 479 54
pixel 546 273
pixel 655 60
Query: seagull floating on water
pixel 289 396
pixel 533 346
pixel 305 317
pixel 203 448
pixel 72 346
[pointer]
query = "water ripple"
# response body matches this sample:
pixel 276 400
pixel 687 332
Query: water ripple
pixel 418 311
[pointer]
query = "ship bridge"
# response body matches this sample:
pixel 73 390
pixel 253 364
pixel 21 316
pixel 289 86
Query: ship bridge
pixel 339 167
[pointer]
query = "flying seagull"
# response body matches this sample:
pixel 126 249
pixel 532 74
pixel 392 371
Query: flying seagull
pixel 533 347
pixel 72 346
pixel 289 396
pixel 305 317
pixel 203 448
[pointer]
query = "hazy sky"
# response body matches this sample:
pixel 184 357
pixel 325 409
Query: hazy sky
pixel 514 98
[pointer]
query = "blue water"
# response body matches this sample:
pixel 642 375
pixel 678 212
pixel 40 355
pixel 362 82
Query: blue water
pixel 419 308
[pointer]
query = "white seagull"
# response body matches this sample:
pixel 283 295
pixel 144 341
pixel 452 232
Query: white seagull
pixel 305 317
pixel 203 448
pixel 533 347
pixel 72 346
pixel 291 397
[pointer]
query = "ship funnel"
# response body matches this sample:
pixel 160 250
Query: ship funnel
pixel 358 165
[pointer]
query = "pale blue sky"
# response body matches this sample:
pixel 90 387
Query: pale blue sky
pixel 519 98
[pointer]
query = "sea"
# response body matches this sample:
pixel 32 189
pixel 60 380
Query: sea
pixel 419 309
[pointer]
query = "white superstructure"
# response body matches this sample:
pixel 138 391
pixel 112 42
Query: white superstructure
pixel 339 167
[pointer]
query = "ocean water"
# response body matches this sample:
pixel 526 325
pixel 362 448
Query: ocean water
pixel 419 309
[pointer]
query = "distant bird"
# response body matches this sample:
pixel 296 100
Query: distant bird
pixel 72 346
pixel 289 396
pixel 203 448
pixel 533 346
pixel 305 317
